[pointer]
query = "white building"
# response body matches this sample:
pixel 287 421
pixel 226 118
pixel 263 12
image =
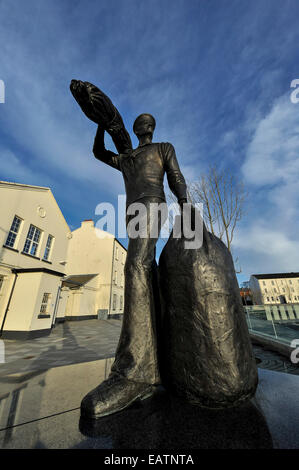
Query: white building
pixel 33 246
pixel 47 272
pixel 278 288
pixel 94 285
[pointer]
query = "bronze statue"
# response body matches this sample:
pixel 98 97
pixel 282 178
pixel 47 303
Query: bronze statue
pixel 135 371
pixel 201 348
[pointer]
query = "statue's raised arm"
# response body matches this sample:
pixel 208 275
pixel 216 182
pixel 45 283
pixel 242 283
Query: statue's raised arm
pixel 100 109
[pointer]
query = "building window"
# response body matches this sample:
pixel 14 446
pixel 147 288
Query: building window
pixel 122 280
pixel 121 302
pixel 32 240
pixel 272 299
pixel 48 247
pixel 290 281
pixel 14 229
pixel 114 301
pixel 265 291
pixel 292 289
pixel 44 305
pixel 275 290
pixel 116 252
pixel 1 282
pixel 264 283
pixel 272 282
pixel 268 299
pixel 115 278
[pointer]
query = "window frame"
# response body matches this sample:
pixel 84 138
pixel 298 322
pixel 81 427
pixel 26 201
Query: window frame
pixel 49 248
pixel 114 302
pixel 32 241
pixel 13 232
pixel 44 307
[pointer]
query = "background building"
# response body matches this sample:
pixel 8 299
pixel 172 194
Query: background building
pixel 94 285
pixel 275 288
pixel 33 246
pixel 47 272
pixel 245 293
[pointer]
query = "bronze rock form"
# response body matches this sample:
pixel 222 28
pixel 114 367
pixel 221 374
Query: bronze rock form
pixel 206 352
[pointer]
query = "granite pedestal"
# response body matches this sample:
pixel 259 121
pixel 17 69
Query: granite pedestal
pixel 40 409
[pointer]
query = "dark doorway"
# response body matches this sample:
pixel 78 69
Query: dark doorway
pixel 282 299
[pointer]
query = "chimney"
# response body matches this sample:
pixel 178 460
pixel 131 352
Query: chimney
pixel 87 222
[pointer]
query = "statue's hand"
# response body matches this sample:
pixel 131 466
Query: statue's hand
pixel 78 90
pixel 98 107
pixel 182 202
pixel 82 92
pixel 94 103
pixel 188 207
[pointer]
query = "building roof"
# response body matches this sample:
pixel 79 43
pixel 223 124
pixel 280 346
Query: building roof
pixel 275 275
pixel 37 270
pixel 117 240
pixel 21 185
pixel 35 188
pixel 107 234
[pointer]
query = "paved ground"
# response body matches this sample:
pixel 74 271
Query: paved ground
pixel 68 343
pixel 274 361
pixel 90 340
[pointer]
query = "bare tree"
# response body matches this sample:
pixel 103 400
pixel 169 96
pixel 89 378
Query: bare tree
pixel 223 201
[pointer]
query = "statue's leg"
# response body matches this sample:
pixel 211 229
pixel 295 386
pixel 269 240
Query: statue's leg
pixel 135 370
pixel 136 355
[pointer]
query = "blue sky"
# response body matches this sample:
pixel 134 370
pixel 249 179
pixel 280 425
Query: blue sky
pixel 215 74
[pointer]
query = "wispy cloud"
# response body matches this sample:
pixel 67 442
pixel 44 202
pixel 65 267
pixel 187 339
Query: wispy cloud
pixel 16 170
pixel 214 74
pixel 268 239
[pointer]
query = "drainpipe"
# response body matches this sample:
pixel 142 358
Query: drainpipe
pixel 8 303
pixel 56 306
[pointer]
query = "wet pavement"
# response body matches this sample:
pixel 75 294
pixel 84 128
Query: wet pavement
pixel 274 361
pixel 69 343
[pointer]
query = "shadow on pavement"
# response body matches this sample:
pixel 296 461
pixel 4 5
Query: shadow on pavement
pixel 165 422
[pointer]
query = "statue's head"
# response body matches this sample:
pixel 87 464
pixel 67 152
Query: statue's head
pixel 144 124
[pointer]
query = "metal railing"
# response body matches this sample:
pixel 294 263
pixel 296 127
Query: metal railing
pixel 279 322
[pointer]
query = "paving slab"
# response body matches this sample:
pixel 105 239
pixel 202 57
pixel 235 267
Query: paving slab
pixel 68 343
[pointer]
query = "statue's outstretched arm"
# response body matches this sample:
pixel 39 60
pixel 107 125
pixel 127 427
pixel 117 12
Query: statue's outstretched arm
pixel 99 108
pixel 101 153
